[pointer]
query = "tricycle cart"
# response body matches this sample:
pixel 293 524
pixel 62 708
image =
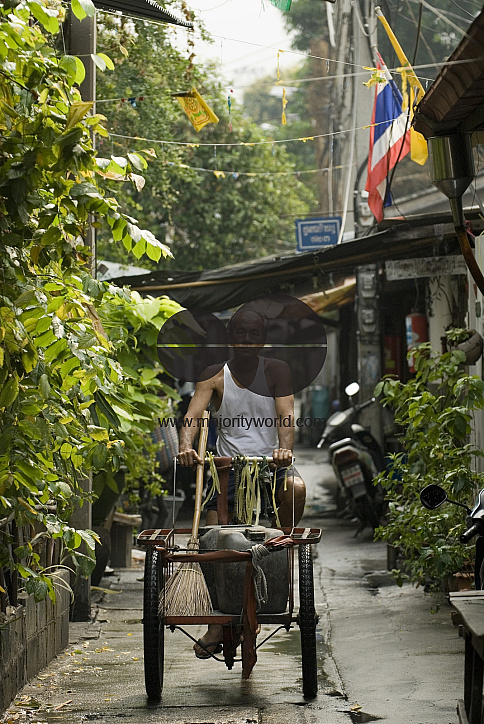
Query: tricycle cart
pixel 162 552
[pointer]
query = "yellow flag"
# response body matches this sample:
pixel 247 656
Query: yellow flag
pixel 284 104
pixel 418 144
pixel 198 112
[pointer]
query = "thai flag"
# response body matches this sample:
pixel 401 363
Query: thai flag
pixel 389 141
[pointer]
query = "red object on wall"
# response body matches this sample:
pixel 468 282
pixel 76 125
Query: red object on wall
pixel 392 361
pixel 417 332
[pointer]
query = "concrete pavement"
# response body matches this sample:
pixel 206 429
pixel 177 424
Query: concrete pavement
pixel 382 654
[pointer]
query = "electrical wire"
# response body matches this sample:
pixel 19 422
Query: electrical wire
pixel 407 122
pixel 216 7
pixel 441 16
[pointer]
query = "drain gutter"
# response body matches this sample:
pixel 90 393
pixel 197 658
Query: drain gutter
pixel 452 171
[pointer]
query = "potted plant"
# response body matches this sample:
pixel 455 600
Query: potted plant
pixel 468 341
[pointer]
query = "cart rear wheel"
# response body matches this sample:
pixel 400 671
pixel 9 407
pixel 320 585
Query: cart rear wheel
pixel 307 622
pixel 153 629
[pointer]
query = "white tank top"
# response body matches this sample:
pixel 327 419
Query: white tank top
pixel 246 421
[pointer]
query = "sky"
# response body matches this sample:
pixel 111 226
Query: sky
pixel 248 21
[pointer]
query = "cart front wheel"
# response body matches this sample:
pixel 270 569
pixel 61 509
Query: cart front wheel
pixel 307 623
pixel 153 629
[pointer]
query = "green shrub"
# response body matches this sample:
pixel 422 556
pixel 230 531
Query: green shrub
pixel 434 410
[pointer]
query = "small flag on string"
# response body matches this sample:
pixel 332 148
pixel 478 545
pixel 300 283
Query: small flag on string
pixel 197 110
pixel 282 4
pixel 284 104
pixel 229 104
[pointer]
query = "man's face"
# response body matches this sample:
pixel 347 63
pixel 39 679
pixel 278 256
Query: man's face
pixel 247 335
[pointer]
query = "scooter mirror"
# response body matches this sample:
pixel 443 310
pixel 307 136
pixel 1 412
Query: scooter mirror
pixel 352 389
pixel 432 496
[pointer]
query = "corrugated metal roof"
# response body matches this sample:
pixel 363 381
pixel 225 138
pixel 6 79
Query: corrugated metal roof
pixel 454 103
pixel 148 9
pixel 218 289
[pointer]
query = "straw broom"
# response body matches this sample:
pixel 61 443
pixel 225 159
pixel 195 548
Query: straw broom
pixel 186 592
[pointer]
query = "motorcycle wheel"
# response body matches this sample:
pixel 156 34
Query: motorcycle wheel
pixel 366 511
pixel 480 587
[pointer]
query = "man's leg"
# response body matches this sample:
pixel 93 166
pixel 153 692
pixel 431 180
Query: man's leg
pixel 210 639
pixel 212 518
pixel 291 501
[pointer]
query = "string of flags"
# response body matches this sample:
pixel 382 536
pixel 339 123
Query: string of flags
pixel 221 174
pixel 197 144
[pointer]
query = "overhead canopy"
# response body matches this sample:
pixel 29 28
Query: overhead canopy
pixel 330 299
pixel 454 103
pixel 298 274
pixel 148 9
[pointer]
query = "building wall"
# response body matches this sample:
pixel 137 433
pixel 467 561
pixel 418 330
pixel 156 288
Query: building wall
pixel 442 306
pixel 475 320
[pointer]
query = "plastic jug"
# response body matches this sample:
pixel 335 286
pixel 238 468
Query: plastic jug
pixel 226 580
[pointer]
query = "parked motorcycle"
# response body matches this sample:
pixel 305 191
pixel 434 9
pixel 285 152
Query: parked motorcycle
pixel 357 458
pixel 433 496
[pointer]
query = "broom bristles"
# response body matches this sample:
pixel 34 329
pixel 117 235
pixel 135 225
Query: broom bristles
pixel 186 592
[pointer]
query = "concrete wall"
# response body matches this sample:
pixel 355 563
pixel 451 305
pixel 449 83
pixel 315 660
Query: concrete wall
pixel 31 635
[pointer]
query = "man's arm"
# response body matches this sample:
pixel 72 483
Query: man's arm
pixel 285 430
pixel 199 402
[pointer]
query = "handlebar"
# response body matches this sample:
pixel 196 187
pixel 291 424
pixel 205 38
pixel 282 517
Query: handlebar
pixel 469 534
pixel 258 459
pixel 366 404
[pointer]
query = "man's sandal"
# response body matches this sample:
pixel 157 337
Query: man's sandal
pixel 206 646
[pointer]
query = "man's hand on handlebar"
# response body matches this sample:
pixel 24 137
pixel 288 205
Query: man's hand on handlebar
pixel 188 458
pixel 282 458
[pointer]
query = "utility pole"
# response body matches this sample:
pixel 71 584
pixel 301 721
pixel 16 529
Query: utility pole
pixel 82 42
pixel 369 345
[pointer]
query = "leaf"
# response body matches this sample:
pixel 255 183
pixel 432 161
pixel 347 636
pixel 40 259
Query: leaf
pixel 81 8
pixel 139 181
pixel 74 68
pixel 77 111
pixel 25 298
pixel 107 60
pixel 98 433
pixel 137 161
pixel 120 161
pixel 100 456
pixel 81 71
pixel 46 16
pixel 72 136
pixel 44 386
pixel 51 236
pixel 101 64
pixel 9 392
pixel 29 359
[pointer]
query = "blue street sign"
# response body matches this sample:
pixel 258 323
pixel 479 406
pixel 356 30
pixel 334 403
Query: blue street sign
pixel 317 232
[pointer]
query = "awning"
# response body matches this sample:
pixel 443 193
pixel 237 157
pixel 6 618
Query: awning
pixel 300 274
pixel 330 299
pixel 454 103
pixel 148 9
